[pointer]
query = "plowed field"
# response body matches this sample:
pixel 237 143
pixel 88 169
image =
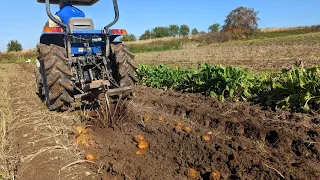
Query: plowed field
pixel 185 136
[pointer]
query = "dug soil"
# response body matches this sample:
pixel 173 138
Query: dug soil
pixel 186 136
pixel 233 140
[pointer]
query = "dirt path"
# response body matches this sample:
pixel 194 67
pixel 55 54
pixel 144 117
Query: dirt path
pixel 40 143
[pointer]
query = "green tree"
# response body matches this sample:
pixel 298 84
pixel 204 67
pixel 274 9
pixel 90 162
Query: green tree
pixel 129 37
pixel 242 19
pixel 160 32
pixel 14 45
pixel 194 31
pixel 214 27
pixel 146 35
pixel 184 30
pixel 174 30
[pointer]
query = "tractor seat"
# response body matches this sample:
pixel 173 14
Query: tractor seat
pixel 81 24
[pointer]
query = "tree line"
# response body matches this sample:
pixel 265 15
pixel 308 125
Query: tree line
pixel 239 22
pixel 169 31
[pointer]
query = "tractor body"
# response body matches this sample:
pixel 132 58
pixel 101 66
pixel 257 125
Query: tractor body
pixel 76 60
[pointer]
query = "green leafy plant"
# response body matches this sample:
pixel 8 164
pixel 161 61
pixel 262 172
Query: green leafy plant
pixel 295 90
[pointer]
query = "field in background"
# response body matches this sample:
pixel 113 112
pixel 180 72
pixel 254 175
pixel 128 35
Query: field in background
pixel 271 49
pixel 37 144
pixel 257 54
pixel 18 57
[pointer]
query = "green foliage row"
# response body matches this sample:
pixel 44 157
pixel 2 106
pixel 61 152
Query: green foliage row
pixel 295 90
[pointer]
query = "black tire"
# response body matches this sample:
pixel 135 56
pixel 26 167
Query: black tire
pixel 55 77
pixel 40 89
pixel 125 66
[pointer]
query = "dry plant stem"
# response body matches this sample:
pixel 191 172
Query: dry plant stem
pixel 76 162
pixel 115 110
pixel 275 170
pixel 127 176
pixel 42 150
pixel 108 110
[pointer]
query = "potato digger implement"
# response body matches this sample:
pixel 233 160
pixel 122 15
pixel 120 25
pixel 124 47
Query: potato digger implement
pixel 78 62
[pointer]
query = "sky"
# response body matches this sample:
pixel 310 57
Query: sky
pixel 24 21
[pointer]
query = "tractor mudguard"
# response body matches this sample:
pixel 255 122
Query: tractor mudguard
pixel 53 38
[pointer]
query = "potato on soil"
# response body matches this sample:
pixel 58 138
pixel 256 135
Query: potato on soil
pixel 90 157
pixel 162 118
pixel 147 117
pixel 187 129
pixel 140 151
pixel 179 127
pixel 206 138
pixel 192 173
pixel 215 175
pixel 143 145
pixel 80 129
pixel 85 140
pixel 139 138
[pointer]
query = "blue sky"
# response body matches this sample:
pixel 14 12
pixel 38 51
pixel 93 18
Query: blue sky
pixel 24 21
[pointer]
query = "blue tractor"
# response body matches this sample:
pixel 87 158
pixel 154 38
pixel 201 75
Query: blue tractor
pixel 76 61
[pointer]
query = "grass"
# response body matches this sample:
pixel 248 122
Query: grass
pixel 35 135
pixel 6 118
pixel 281 32
pixel 18 57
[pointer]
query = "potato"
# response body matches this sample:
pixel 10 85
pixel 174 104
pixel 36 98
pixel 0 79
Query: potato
pixel 178 128
pixel 147 117
pixel 187 129
pixel 80 129
pixel 215 175
pixel 139 138
pixel 206 138
pixel 85 140
pixel 90 157
pixel 161 118
pixel 140 152
pixel 192 173
pixel 143 145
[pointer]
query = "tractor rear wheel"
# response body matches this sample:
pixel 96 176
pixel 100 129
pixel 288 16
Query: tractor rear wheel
pixel 125 67
pixel 55 77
